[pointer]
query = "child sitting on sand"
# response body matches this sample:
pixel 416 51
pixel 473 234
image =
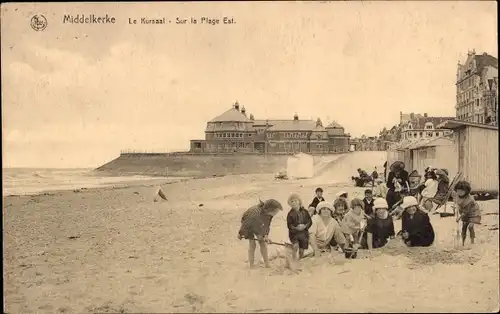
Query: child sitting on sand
pixel 316 200
pixel 299 222
pixel 341 206
pixel 352 222
pixel 255 226
pixel 468 210
pixel 368 203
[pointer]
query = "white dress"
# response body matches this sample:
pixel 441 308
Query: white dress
pixel 323 233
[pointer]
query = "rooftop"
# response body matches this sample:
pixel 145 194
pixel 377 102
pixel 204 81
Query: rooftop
pixel 292 125
pixel 485 60
pixel 334 125
pixel 232 115
pixel 419 123
pixel 457 124
pixel 295 124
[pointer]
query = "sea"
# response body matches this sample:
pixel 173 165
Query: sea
pixel 32 181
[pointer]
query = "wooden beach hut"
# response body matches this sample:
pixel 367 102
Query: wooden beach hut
pixel 476 154
pixel 437 152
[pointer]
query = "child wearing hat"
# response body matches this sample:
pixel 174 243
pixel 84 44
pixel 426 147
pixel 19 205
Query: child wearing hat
pixel 341 206
pixel 299 222
pixel 255 226
pixel 316 200
pixel 381 228
pixel 469 211
pixel 353 220
pixel 416 227
pixel 325 232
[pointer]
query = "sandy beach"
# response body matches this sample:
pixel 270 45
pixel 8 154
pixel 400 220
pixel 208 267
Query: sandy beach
pixel 115 250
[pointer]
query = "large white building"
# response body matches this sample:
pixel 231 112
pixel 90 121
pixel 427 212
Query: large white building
pixel 477 96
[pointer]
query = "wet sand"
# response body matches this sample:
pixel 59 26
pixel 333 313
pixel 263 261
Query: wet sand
pixel 115 250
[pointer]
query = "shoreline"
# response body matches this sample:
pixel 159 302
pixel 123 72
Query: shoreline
pixel 121 185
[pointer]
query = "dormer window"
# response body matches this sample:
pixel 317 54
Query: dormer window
pixel 429 126
pixel 410 126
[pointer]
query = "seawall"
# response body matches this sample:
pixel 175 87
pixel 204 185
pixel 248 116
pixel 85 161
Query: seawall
pixel 196 165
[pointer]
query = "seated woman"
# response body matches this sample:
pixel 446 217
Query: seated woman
pixel 325 232
pixel 416 226
pixel 380 228
pixel 397 183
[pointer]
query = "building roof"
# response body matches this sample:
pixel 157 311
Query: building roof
pixel 232 115
pixel 416 144
pixel 457 124
pixel 292 125
pixel 334 125
pixel 439 141
pixel 419 123
pixel 485 60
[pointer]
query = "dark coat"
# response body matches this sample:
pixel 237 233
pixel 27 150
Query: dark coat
pixel 368 206
pixel 316 201
pixel 419 228
pixel 295 218
pixel 403 175
pixel 381 230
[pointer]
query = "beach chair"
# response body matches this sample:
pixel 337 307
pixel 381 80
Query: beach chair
pixel 443 195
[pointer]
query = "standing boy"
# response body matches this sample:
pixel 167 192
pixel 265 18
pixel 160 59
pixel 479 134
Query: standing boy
pixel 255 226
pixel 316 200
pixel 468 210
pixel 298 221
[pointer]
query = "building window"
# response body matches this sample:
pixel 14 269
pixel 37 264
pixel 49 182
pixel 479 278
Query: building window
pixel 421 134
pixel 437 133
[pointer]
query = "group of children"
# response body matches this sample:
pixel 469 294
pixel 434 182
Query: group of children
pixel 351 217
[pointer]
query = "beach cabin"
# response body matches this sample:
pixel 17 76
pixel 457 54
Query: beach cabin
pixel 437 152
pixel 300 166
pixel 476 153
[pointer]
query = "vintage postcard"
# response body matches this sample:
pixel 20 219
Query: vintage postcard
pixel 236 157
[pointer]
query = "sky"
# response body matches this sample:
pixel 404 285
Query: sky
pixel 74 95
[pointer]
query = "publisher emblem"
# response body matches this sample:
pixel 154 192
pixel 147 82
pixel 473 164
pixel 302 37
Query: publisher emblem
pixel 38 22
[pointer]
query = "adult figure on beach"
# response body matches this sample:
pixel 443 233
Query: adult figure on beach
pixel 325 231
pixel 416 228
pixel 379 229
pixel 362 178
pixel 428 191
pixel 385 170
pixel 397 183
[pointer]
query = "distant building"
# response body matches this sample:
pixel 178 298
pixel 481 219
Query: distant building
pixel 234 131
pixel 407 117
pixel 423 127
pixel 477 95
pixel 370 143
